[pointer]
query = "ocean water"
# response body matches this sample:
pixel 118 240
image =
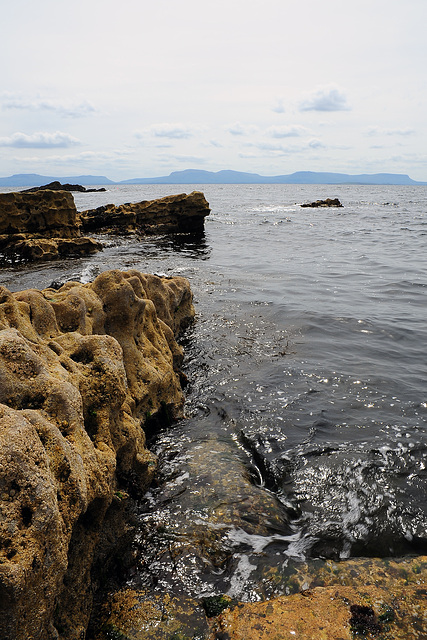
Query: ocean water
pixel 305 430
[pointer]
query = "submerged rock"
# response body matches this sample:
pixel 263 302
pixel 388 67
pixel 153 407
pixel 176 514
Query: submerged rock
pixel 392 609
pixel 359 598
pixel 81 369
pixel 329 202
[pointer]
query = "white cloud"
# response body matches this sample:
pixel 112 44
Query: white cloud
pixel 275 149
pixel 316 144
pixel 82 109
pixel 176 131
pixel 190 158
pixel 290 131
pixel 216 143
pixel 39 140
pixel 239 129
pixel 325 99
pixel 279 106
pixel 378 131
pixel 85 156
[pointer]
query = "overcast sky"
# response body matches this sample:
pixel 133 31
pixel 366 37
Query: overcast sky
pixel 141 88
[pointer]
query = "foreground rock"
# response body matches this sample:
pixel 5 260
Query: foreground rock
pixel 329 202
pixel 57 186
pixel 361 598
pixel 81 370
pixel 173 214
pixel 43 225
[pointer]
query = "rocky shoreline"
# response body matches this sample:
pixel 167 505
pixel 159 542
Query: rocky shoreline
pixel 85 369
pixel 44 224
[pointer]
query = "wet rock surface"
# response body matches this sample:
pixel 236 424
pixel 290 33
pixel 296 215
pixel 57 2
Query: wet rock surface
pixel 363 598
pixel 328 202
pixel 81 370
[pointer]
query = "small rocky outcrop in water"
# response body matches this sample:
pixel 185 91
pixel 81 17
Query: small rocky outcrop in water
pixel 57 186
pixel 81 370
pixel 173 214
pixel 41 226
pixel 329 202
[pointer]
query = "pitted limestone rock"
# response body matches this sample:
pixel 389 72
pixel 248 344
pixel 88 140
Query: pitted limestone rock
pixel 80 369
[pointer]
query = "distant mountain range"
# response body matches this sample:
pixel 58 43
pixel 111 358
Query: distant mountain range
pixel 198 176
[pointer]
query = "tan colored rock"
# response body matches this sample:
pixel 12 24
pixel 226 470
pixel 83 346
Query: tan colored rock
pixel 360 598
pixel 137 615
pixel 35 249
pixel 397 612
pixel 43 225
pixel 80 369
pixel 52 214
pixel 172 214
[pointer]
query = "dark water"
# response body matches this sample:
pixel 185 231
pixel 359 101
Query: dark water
pixel 305 433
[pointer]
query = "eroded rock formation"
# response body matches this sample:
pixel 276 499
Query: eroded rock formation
pixel 172 214
pixel 41 226
pixel 81 370
pixel 44 224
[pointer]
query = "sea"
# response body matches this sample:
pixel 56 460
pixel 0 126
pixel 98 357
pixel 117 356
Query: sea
pixel 305 432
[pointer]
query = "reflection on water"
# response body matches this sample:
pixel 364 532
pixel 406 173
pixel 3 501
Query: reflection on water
pixel 194 245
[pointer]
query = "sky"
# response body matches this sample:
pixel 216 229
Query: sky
pixel 141 88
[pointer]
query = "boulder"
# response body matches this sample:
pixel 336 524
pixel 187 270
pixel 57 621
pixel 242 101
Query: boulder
pixel 82 368
pixel 329 202
pixel 181 213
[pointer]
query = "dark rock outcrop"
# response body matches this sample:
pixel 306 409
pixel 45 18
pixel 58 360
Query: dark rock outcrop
pixel 329 202
pixel 57 186
pixel 81 369
pixel 180 213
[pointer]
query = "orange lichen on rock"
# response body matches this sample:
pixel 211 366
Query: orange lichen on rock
pixel 329 613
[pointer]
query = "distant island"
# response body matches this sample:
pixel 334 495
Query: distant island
pixel 198 176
